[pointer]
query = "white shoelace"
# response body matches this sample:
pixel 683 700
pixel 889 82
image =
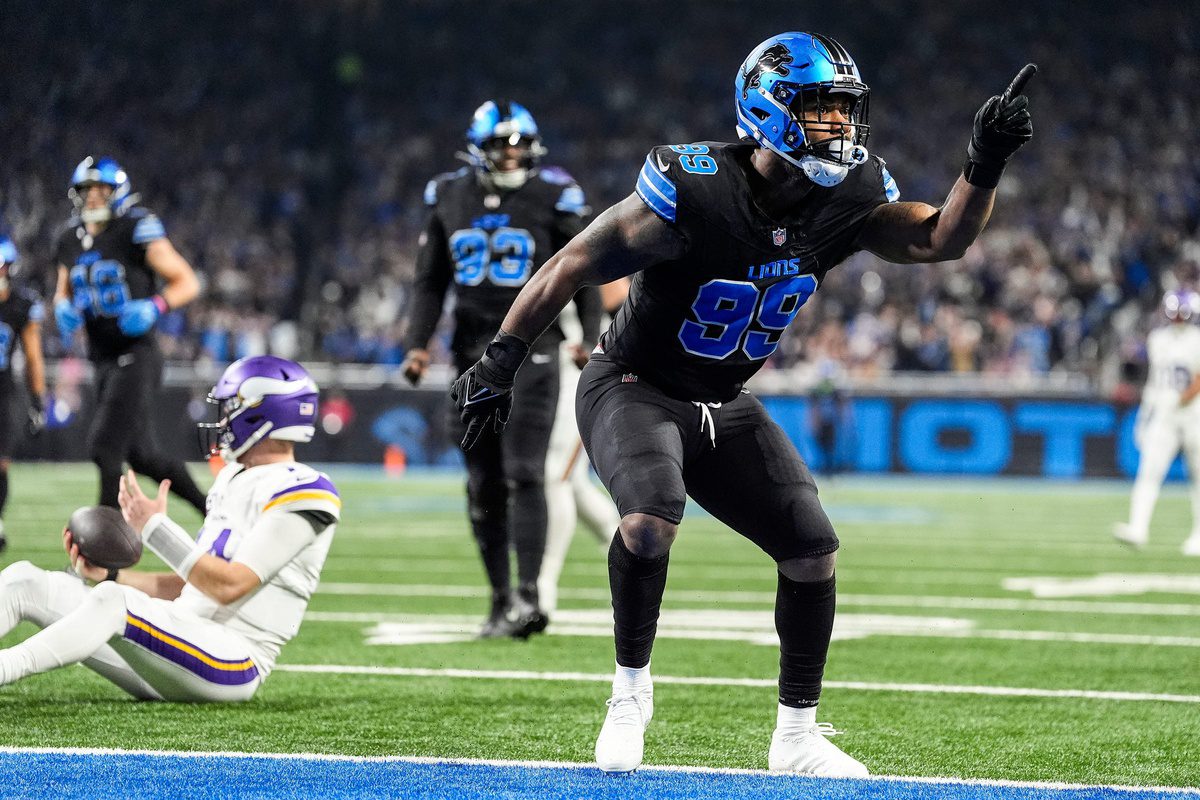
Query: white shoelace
pixel 706 419
pixel 623 712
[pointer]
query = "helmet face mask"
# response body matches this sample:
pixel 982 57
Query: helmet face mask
pixel 785 91
pixel 105 172
pixel 496 128
pixel 256 398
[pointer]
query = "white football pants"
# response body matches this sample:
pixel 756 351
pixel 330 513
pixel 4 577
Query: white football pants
pixel 1160 440
pixel 148 647
pixel 571 496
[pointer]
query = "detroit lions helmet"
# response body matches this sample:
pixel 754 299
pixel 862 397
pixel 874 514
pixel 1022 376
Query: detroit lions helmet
pixel 106 171
pixel 8 261
pixel 787 77
pixel 496 126
pixel 1181 305
pixel 260 397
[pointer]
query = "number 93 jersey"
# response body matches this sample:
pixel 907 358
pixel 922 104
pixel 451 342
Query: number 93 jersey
pixel 108 269
pixel 698 327
pixel 489 243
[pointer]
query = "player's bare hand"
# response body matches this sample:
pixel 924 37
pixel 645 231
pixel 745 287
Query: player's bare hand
pixel 416 363
pixel 578 354
pixel 82 567
pixel 136 507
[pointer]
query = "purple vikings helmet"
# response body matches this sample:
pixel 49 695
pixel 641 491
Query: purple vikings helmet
pixel 261 397
pixel 1181 305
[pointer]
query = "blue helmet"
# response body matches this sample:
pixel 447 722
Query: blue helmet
pixel 106 171
pixel 790 75
pixel 497 125
pixel 8 252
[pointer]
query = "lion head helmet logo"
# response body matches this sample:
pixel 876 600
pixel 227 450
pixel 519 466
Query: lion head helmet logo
pixel 774 59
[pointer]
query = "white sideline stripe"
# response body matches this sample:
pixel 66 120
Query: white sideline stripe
pixel 756 683
pixel 353 617
pixel 768 598
pixel 490 762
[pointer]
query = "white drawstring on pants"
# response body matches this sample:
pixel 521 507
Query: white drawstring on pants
pixel 706 419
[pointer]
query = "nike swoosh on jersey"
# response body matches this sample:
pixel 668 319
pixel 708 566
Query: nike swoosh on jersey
pixel 664 166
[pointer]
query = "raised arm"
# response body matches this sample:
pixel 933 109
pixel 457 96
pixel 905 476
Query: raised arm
pixel 625 239
pixel 917 232
pixel 908 233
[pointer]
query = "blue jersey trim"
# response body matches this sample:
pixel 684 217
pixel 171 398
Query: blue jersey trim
pixel 571 201
pixel 889 186
pixel 657 190
pixel 148 229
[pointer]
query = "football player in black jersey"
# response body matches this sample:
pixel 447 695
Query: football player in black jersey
pixel 21 314
pixel 490 226
pixel 727 242
pixel 111 259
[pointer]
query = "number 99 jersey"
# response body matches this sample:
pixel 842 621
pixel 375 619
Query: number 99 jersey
pixel 106 270
pixel 698 327
pixel 488 244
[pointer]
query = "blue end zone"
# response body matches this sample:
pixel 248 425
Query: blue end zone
pixel 130 775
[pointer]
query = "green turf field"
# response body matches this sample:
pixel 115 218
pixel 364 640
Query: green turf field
pixel 938 625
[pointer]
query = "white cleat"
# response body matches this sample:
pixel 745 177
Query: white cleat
pixel 808 752
pixel 623 737
pixel 1192 546
pixel 1125 535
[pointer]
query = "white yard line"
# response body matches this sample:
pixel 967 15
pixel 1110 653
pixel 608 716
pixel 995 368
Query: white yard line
pixel 768 599
pixel 471 623
pixel 488 762
pixel 757 683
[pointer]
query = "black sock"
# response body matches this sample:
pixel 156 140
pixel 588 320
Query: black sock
pixel 637 586
pixel 804 620
pixel 3 490
pixel 527 518
pixel 492 538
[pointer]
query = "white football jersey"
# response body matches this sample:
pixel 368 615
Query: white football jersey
pixel 240 496
pixel 1174 355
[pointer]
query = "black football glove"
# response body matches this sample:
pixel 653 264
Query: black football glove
pixel 483 394
pixel 1002 125
pixel 35 423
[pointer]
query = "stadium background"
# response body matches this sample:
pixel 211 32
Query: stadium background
pixel 286 145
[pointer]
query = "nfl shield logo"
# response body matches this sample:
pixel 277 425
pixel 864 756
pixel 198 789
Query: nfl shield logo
pixel 779 236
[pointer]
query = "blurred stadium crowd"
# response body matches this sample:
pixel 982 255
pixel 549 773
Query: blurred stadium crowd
pixel 286 145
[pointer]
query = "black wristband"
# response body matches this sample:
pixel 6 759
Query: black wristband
pixel 112 575
pixel 501 360
pixel 985 176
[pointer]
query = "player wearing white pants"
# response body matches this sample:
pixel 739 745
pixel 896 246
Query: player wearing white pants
pixel 1168 419
pixel 571 495
pixel 211 630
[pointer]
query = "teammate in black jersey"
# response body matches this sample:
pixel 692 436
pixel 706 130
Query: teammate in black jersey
pixel 21 314
pixel 111 258
pixel 727 242
pixel 490 226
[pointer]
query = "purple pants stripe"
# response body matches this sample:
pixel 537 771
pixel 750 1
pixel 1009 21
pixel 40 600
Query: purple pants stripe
pixel 178 651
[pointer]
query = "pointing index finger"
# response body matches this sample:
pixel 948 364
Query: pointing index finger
pixel 1018 84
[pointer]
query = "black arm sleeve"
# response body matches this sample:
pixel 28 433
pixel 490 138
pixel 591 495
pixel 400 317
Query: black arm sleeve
pixel 320 520
pixel 429 289
pixel 587 303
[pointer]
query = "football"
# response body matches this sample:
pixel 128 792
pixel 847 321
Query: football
pixel 104 537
